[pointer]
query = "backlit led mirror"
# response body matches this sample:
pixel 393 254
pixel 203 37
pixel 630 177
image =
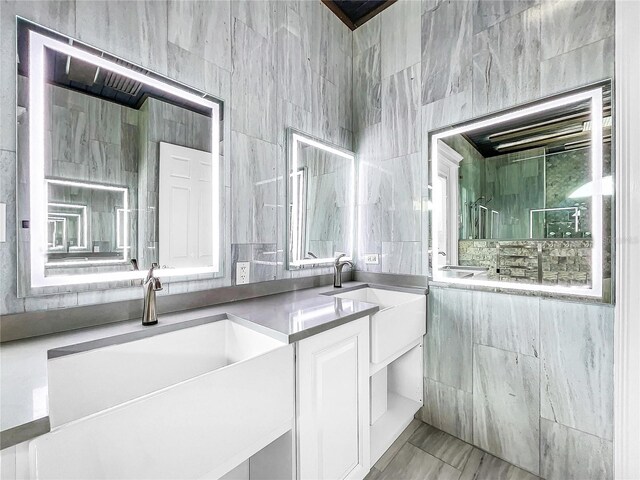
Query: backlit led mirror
pixel 320 201
pixel 524 198
pixel 117 163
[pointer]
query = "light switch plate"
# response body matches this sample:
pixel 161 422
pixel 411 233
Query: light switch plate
pixel 3 222
pixel 371 259
pixel 243 270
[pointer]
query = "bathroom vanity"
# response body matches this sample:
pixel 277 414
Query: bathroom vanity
pixel 307 384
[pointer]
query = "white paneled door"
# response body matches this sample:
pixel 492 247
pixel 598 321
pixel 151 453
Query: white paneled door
pixel 185 207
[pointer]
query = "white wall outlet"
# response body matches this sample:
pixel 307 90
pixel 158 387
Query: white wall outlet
pixel 243 269
pixel 371 259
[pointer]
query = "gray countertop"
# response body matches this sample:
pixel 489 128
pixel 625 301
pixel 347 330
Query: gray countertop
pixel 288 317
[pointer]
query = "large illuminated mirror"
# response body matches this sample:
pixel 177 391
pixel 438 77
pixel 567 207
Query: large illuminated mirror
pixel 117 163
pixel 523 199
pixel 321 196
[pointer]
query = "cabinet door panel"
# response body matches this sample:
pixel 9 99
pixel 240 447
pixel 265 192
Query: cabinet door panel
pixel 333 406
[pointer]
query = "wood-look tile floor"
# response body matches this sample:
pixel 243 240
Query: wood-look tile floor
pixel 422 452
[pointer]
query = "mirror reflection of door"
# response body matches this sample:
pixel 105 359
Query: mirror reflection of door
pixel 185 213
pixel 447 190
pixel 443 194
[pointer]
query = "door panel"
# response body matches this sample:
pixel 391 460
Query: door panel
pixel 185 208
pixel 333 403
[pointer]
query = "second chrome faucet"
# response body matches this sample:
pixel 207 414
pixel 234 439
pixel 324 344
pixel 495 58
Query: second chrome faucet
pixel 338 265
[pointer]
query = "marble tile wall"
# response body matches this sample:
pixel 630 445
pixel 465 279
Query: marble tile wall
pixel 527 379
pixel 461 60
pixel 275 64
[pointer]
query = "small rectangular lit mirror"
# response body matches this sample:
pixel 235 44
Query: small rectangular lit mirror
pixel 117 163
pixel 320 200
pixel 523 199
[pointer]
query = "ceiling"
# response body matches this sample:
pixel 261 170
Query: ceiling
pixel 558 129
pixel 354 13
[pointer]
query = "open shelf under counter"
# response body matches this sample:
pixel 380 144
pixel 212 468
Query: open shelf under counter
pixel 399 414
pixel 396 396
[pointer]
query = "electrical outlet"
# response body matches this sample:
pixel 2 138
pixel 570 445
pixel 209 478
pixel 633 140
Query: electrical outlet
pixel 371 259
pixel 243 269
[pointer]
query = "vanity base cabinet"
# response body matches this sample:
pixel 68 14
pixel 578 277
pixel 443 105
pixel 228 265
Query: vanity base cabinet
pixel 333 403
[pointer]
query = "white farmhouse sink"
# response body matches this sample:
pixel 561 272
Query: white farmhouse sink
pixel 401 320
pixel 191 403
pixel 88 382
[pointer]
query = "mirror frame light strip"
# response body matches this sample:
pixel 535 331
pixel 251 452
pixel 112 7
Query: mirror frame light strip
pixel 295 138
pixel 37 184
pixel 594 96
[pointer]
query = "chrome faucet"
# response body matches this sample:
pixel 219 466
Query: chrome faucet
pixel 151 286
pixel 337 269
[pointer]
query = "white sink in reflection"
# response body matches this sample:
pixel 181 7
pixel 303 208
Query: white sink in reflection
pixel 459 271
pixel 190 403
pixel 401 320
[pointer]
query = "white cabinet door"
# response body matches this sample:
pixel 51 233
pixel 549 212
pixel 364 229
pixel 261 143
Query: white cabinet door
pixel 185 207
pixel 333 403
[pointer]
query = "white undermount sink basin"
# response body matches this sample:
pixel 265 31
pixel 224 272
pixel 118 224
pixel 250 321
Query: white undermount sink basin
pixel 190 403
pixel 401 320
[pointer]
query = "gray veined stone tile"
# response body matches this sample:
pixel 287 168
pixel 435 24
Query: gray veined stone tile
pixel 401 112
pixel 448 409
pixel 484 466
pixel 441 445
pixel 400 195
pixel 506 62
pixel 203 28
pixel 367 84
pixel 578 67
pixel 576 351
pixel 487 14
pixel 135 31
pixel 509 322
pixel 366 36
pixel 253 190
pixel 345 90
pixel 413 463
pixel 254 84
pixel 324 109
pixel 447 111
pixel 368 145
pixel 401 257
pixel 294 66
pixel 570 24
pixel 256 14
pixel 449 343
pixel 400 37
pixel 506 410
pixel 446 51
pixel 323 39
pixel 568 454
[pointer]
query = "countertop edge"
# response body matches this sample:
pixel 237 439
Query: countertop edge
pixel 27 431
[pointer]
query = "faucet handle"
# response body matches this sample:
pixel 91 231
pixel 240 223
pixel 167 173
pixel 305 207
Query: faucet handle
pixel 154 265
pixel 156 284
